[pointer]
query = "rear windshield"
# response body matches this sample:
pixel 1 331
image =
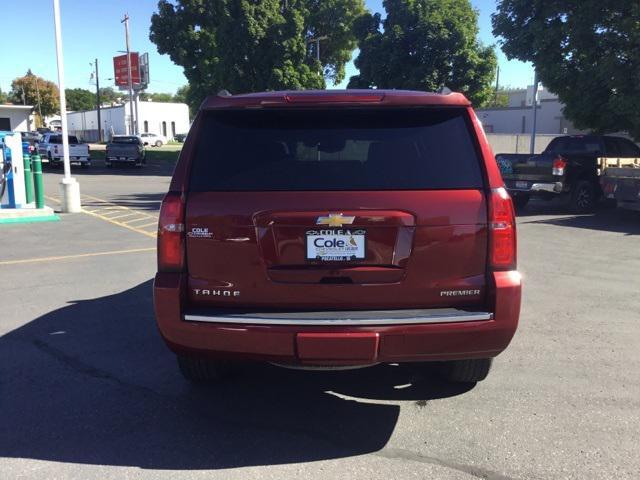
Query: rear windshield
pixel 133 140
pixel 73 140
pixel 341 149
pixel 574 145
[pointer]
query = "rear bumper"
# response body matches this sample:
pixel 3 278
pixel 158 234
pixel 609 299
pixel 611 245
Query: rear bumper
pixel 532 188
pixel 72 159
pixel 120 159
pixel 438 338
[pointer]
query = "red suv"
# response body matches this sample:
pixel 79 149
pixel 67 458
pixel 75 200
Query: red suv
pixel 337 229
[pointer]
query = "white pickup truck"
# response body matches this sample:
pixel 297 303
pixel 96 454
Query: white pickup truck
pixel 50 149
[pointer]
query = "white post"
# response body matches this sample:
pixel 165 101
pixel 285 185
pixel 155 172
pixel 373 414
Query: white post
pixel 69 188
pixel 532 145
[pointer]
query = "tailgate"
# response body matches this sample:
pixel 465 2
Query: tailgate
pixel 522 167
pixel 433 256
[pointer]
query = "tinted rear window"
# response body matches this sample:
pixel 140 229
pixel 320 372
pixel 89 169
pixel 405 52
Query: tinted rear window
pixel 574 145
pixel 132 140
pixel 73 140
pixel 341 149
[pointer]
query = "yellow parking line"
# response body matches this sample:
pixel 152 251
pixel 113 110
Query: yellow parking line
pixel 96 212
pixel 147 225
pixel 115 222
pixel 80 255
pixel 141 219
pixel 123 216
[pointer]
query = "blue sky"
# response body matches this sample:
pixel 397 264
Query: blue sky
pixel 92 29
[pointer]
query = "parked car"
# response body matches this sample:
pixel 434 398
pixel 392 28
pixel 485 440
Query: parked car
pixel 50 149
pixel 126 149
pixel 569 166
pixel 153 139
pixel 31 137
pixel 337 229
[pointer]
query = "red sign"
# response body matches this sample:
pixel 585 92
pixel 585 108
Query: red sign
pixel 120 69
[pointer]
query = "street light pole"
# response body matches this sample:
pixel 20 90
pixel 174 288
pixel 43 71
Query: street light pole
pixel 317 40
pixel 69 188
pixel 133 129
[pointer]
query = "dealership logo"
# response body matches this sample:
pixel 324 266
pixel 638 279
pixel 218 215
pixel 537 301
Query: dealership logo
pixel 335 220
pixel 200 232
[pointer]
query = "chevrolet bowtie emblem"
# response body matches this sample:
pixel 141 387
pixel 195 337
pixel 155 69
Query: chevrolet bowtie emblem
pixel 335 220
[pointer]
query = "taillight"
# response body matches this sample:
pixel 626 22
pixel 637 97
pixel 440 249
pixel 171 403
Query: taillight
pixel 558 166
pixel 502 231
pixel 171 234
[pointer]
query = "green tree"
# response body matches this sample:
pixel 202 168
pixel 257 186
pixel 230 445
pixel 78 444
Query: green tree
pixel 499 99
pixel 109 95
pixel 3 97
pixel 80 99
pixel 586 52
pixel 36 91
pixel 182 94
pixel 424 45
pixel 156 97
pixel 245 46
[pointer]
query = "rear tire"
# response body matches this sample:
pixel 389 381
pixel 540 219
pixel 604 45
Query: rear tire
pixel 158 143
pixel 200 370
pixel 467 371
pixel 583 197
pixel 520 201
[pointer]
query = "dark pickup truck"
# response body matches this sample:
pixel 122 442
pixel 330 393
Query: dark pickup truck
pixel 125 149
pixel 569 166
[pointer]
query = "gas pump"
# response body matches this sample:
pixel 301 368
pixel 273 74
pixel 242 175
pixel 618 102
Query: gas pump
pixel 12 168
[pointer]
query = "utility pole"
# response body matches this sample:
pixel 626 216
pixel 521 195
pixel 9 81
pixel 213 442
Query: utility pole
pixel 532 146
pixel 133 129
pixel 98 102
pixel 38 97
pixel 495 100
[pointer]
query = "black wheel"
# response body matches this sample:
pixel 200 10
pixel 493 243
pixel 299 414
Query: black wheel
pixel 467 371
pixel 200 370
pixel 583 197
pixel 520 201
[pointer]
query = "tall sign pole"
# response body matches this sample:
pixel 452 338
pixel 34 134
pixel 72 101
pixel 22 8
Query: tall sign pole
pixel 98 102
pixel 69 188
pixel 133 129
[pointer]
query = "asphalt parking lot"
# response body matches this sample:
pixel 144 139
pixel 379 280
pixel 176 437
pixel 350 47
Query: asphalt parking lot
pixel 88 389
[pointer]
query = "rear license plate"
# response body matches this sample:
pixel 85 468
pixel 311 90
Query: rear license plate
pixel 522 185
pixel 123 158
pixel 336 245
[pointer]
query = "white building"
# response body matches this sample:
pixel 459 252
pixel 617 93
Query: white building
pixel 166 119
pixel 16 118
pixel 517 117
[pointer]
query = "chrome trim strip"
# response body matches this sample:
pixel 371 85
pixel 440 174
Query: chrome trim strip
pixel 439 318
